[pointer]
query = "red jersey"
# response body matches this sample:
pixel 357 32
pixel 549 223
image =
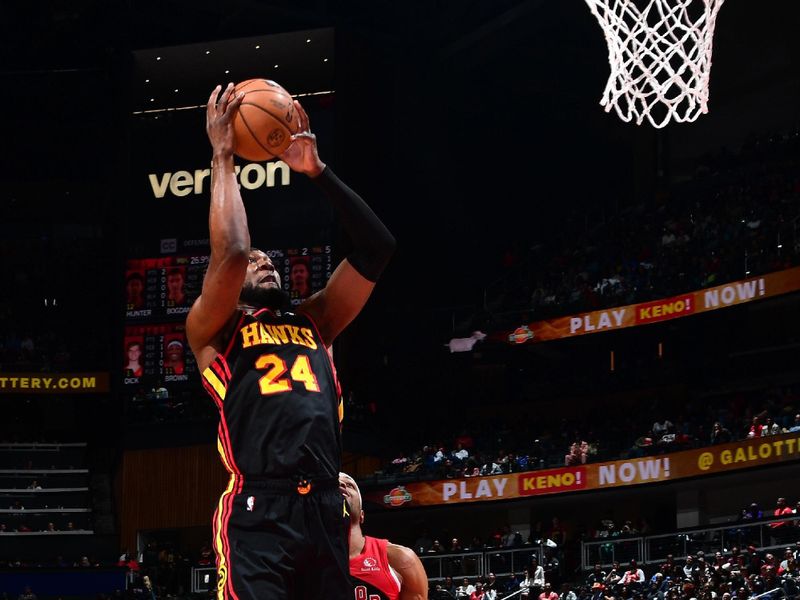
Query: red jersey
pixel 372 577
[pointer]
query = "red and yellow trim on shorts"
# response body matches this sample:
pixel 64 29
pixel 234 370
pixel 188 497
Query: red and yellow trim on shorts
pixel 222 547
pixel 215 380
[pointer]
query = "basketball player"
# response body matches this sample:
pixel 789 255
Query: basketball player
pixel 300 277
pixel 176 291
pixel 379 569
pixel 280 529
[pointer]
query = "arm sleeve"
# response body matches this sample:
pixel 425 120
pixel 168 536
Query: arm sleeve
pixel 373 244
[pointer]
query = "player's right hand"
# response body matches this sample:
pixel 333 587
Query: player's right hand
pixel 220 111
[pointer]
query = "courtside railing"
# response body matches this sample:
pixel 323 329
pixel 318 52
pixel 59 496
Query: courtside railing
pixel 766 534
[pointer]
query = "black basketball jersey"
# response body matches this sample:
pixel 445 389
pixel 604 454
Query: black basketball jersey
pixel 279 399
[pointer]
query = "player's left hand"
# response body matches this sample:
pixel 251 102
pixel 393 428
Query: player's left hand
pixel 302 155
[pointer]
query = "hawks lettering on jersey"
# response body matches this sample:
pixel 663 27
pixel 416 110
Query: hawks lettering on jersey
pixel 279 398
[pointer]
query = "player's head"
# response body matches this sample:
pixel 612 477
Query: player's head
pixel 352 495
pixel 134 284
pixel 299 274
pixel 175 282
pixel 134 350
pixel 174 351
pixel 262 286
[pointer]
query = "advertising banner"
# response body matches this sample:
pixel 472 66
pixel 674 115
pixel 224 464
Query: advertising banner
pixel 594 476
pixel 53 383
pixel 721 296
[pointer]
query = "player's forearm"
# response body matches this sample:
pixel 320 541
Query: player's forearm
pixel 227 221
pixel 373 244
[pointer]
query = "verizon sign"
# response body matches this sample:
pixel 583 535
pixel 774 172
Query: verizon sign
pixel 250 176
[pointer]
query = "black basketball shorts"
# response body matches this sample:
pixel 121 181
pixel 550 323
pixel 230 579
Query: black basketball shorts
pixel 278 540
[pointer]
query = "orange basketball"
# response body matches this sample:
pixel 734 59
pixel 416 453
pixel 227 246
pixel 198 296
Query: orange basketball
pixel 266 120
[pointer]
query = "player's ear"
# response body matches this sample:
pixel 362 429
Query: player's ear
pixel 361 518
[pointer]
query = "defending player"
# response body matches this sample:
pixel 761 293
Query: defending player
pixel 380 570
pixel 280 529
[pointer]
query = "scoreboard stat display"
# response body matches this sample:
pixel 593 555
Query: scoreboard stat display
pixel 160 291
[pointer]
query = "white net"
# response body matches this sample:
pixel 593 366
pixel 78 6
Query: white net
pixel 660 57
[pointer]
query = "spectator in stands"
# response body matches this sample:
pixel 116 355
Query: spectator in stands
pixel 770 427
pixel 399 463
pixel 525 585
pixel 577 455
pixel 476 544
pixel 795 425
pixel 27 594
pixel 464 591
pixel 449 586
pixel 537 576
pixel 661 428
pixel 755 428
pixel 720 434
pixel 614 575
pixel 598 591
pixel 548 593
pixel 689 567
pixel 596 576
pixel 460 455
pixel 436 547
pixel 633 577
pixel 439 593
pixel 552 567
pixel 753 512
pixel 512 585
pixel 478 593
pixel 567 593
pixel 657 587
pixel 34 485
pixel 83 562
pixel 780 529
pixel 668 566
pixel 491 587
pixel 556 532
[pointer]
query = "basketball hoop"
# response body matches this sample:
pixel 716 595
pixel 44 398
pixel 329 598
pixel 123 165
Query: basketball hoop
pixel 660 57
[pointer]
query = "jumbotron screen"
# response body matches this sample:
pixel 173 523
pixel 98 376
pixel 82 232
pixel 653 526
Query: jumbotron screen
pixel 159 292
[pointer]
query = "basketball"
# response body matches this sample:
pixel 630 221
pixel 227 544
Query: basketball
pixel 266 120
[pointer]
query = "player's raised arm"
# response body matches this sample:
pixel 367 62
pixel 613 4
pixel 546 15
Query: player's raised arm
pixel 414 584
pixel 352 282
pixel 228 233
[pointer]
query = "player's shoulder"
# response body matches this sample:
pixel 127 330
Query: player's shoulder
pixel 401 557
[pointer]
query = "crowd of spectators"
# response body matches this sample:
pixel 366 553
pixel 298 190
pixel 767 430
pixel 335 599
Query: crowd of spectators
pixel 516 443
pixel 742 571
pixel 735 218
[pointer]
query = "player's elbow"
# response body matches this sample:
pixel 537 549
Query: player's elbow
pixel 370 262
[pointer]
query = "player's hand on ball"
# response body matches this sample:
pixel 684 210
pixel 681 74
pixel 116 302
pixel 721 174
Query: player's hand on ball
pixel 219 119
pixel 302 155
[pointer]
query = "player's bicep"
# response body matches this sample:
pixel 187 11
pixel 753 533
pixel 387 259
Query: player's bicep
pixel 409 566
pixel 334 307
pixel 218 300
